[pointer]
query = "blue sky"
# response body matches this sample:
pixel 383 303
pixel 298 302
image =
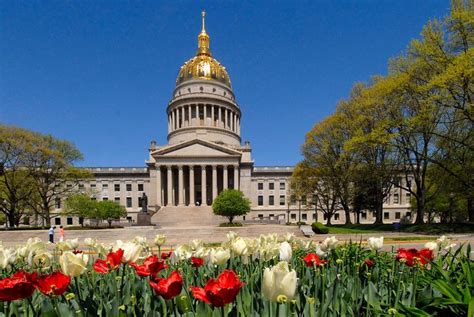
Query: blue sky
pixel 101 73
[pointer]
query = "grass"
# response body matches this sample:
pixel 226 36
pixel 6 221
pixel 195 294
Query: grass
pixel 434 229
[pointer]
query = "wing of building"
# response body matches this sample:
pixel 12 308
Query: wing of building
pixel 204 155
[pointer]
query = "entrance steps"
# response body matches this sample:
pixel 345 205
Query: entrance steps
pixel 186 216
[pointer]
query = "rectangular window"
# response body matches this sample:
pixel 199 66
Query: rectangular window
pixel 304 217
pixel 282 186
pixel 105 198
pixel 293 216
pixel 260 216
pixel 117 200
pixel 282 200
pixel 93 198
pixel 314 216
pixel 105 186
pixel 336 216
pixel 407 197
pixel 408 215
pixel 260 186
pixel 129 202
pixel 325 217
pixel 92 186
pixel 139 202
pixel 69 221
pixel 129 219
pixel 57 221
pixel 386 215
pixel 397 215
pixel 271 216
pixel 271 200
pixel 57 202
pixel 363 215
pixel 271 186
pixel 395 199
pixel 260 200
pixel 129 187
pixel 81 186
pixel 140 187
pixel 117 187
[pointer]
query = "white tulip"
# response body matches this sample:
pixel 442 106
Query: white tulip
pixel 239 247
pixel 160 239
pixel 131 252
pixel 279 280
pixel 117 245
pixel 320 252
pixel 289 237
pixel 42 259
pixel 201 252
pixel 268 251
pixel 182 252
pixel 285 251
pixel 219 256
pixel 231 235
pixel 7 257
pixel 329 244
pixel 196 244
pixel 433 246
pixel 90 242
pixel 73 264
pixel 375 243
pixel 140 240
pixel 72 243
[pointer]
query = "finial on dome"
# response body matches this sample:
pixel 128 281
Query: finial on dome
pixel 203 38
pixel 203 13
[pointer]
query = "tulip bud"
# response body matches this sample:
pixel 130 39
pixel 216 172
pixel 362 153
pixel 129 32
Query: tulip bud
pixel 219 256
pixel 375 243
pixel 285 251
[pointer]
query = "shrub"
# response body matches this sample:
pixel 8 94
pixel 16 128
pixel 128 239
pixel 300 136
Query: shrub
pixel 231 203
pixel 319 228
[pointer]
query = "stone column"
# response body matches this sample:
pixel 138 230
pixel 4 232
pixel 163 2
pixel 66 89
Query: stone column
pixel 226 178
pixel 236 177
pixel 203 186
pixel 189 115
pixel 191 186
pixel 180 185
pixel 214 182
pixel 219 122
pixel 212 115
pixel 169 182
pixel 158 186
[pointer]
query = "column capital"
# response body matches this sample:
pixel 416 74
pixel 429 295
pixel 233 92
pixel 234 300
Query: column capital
pixel 214 166
pixel 191 167
pixel 203 166
pixel 180 167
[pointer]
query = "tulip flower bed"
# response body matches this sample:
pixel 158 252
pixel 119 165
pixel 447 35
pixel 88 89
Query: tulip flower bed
pixel 267 276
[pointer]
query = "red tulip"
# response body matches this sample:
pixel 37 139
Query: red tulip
pixel 114 259
pixel 369 262
pixel 197 262
pixel 19 286
pixel 53 284
pixel 312 259
pixel 413 256
pixel 151 266
pixel 219 292
pixel 168 288
pixel 165 255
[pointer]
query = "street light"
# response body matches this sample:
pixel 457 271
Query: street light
pixel 288 213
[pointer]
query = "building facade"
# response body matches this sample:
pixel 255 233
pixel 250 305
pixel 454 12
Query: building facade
pixel 204 155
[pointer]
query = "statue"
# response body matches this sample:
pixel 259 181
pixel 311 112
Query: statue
pixel 144 203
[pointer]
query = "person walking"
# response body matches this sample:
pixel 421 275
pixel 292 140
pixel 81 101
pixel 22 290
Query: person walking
pixel 61 234
pixel 51 234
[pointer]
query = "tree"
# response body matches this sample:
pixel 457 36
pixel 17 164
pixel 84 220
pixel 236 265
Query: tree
pixel 82 205
pixel 231 203
pixel 16 183
pixel 110 211
pixel 54 175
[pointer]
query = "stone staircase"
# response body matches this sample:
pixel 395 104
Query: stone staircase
pixel 187 216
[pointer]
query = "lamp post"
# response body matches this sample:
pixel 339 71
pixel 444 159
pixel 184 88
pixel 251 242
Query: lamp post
pixel 299 210
pixel 288 213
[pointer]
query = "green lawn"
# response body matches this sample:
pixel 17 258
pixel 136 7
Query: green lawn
pixel 434 229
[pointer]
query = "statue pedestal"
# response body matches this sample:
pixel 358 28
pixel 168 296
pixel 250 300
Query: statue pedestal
pixel 143 219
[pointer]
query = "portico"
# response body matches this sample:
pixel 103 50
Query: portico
pixel 190 184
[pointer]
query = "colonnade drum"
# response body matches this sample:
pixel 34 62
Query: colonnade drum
pixel 203 115
pixel 191 185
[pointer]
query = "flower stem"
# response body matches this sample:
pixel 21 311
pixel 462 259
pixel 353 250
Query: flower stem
pixel 30 303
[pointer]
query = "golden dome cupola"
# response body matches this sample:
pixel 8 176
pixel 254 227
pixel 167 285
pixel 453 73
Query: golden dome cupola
pixel 203 65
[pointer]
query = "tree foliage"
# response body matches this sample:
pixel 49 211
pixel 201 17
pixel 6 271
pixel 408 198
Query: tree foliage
pixel 83 206
pixel 231 203
pixel 415 121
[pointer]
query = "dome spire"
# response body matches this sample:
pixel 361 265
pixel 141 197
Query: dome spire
pixel 203 38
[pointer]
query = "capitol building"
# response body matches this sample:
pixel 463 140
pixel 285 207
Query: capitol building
pixel 204 155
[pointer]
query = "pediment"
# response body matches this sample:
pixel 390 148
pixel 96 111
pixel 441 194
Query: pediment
pixel 195 148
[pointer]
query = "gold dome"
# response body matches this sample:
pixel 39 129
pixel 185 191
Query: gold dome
pixel 203 65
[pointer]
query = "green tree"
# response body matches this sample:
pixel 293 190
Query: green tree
pixel 54 175
pixel 109 211
pixel 81 205
pixel 231 203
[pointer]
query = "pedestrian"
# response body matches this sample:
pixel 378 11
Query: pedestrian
pixel 51 234
pixel 61 234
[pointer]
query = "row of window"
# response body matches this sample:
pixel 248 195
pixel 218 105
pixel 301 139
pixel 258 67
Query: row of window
pixel 128 187
pixel 271 200
pixel 271 186
pixel 116 199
